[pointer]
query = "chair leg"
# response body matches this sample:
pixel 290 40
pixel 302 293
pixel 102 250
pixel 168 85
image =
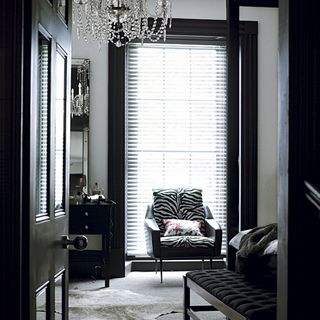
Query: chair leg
pixel 160 270
pixel 202 264
pixel 156 266
pixel 211 265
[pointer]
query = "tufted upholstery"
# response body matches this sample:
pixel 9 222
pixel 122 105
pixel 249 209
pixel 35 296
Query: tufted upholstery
pixel 252 300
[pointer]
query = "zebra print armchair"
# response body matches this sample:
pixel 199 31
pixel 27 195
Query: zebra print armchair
pixel 179 226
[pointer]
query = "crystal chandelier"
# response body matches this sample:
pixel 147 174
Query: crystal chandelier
pixel 120 21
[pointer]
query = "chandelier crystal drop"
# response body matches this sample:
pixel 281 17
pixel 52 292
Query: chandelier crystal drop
pixel 80 102
pixel 121 21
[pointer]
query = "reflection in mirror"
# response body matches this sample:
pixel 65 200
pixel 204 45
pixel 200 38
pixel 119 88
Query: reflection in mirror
pixel 44 62
pixel 79 137
pixel 41 304
pixel 76 152
pixel 80 98
pixel 58 297
pixel 59 133
pixel 62 9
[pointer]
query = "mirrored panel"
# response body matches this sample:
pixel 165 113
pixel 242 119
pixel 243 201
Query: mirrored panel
pixel 44 47
pixel 59 297
pixel 60 131
pixel 42 306
pixel 62 9
pixel 79 136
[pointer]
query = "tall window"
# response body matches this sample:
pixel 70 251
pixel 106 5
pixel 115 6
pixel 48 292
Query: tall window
pixel 175 128
pixel 245 140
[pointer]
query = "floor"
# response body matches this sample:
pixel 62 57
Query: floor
pixel 141 282
pixel 145 284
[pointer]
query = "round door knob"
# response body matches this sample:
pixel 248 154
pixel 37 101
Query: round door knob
pixel 79 242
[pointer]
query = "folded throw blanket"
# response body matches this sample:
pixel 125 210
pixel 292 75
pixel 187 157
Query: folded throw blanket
pixel 250 259
pixel 256 240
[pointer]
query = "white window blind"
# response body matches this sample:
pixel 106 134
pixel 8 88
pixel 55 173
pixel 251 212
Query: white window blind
pixel 175 128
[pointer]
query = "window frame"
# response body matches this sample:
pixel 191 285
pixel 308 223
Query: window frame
pixel 248 117
pixel 204 44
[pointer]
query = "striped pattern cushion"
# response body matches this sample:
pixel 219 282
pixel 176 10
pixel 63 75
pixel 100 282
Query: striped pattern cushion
pixel 178 203
pixel 187 242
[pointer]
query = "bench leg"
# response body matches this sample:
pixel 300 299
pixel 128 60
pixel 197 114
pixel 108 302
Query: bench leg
pixel 211 263
pixel 186 298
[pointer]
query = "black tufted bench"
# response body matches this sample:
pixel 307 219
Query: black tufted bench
pixel 231 293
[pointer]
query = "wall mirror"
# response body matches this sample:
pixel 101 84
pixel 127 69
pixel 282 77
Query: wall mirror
pixel 79 135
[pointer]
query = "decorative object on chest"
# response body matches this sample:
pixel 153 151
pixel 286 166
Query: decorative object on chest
pixel 96 222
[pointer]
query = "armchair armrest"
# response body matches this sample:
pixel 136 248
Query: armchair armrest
pixel 151 224
pixel 214 231
pixel 152 235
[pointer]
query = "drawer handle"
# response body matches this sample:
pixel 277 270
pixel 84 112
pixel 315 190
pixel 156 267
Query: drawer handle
pixel 86 227
pixel 86 213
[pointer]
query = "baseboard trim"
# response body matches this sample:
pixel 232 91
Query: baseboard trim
pixel 174 265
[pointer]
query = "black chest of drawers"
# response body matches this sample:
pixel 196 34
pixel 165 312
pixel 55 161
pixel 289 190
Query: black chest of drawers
pixel 91 219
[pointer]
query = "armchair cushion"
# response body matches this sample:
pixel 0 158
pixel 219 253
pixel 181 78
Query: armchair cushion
pixel 184 247
pixel 179 203
pixel 176 227
pixel 187 242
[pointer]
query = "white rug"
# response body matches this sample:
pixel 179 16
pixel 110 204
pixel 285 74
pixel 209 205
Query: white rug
pixel 138 296
pixel 118 304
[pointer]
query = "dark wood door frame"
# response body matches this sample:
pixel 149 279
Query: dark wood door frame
pixel 298 154
pixel 299 157
pixel 12 270
pixel 241 164
pixel 242 109
pixel 233 106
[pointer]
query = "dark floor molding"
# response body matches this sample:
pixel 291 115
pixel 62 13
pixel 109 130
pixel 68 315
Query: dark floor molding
pixel 173 265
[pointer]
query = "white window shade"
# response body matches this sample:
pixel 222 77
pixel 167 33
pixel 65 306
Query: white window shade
pixel 176 128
